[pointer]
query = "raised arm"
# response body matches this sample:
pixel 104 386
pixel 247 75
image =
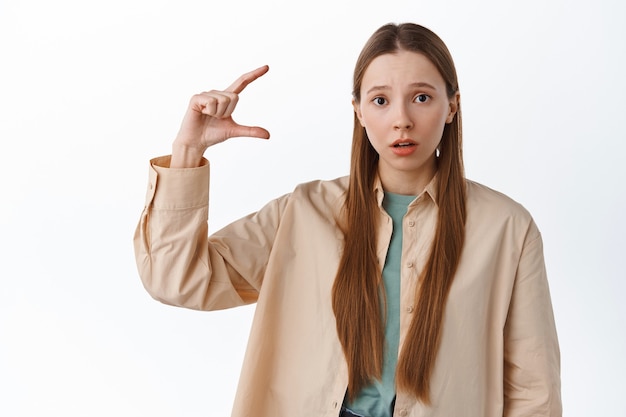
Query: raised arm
pixel 178 262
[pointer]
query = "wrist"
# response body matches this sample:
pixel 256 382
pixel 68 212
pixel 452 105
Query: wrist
pixel 185 156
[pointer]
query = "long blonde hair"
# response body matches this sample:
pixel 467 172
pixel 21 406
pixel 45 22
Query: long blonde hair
pixel 357 290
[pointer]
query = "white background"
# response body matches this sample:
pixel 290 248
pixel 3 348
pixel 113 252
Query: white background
pixel 89 91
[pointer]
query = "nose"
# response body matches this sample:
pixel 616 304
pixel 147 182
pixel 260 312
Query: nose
pixel 403 120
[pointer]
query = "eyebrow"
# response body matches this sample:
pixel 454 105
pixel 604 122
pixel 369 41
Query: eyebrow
pixel 386 87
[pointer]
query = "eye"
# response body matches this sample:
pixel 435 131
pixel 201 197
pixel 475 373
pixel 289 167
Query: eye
pixel 422 98
pixel 379 101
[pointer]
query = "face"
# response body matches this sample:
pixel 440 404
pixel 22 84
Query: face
pixel 404 108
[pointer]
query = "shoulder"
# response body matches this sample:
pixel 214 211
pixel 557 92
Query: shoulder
pixel 314 202
pixel 316 195
pixel 321 190
pixel 490 208
pixel 481 197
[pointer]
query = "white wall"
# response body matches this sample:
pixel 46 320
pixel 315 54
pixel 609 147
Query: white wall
pixel 90 91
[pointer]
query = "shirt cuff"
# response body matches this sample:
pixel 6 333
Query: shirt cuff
pixel 177 188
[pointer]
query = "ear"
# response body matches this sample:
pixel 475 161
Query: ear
pixel 453 107
pixel 357 111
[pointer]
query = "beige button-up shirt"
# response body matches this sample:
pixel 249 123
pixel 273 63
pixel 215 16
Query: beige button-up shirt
pixel 499 353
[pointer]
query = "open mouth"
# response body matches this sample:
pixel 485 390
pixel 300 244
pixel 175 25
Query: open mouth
pixel 404 147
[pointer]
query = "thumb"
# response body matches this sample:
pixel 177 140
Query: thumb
pixel 250 132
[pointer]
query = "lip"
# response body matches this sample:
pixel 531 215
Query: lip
pixel 403 147
pixel 403 140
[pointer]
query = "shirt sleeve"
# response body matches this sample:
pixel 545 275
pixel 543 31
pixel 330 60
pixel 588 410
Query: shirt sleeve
pixel 179 264
pixel 532 385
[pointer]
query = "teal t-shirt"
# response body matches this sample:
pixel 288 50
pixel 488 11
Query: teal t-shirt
pixel 376 399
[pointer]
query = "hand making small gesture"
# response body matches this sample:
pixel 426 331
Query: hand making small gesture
pixel 208 121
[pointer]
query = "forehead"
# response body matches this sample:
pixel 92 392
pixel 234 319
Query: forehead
pixel 401 68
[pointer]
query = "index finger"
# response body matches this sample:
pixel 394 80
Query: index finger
pixel 241 83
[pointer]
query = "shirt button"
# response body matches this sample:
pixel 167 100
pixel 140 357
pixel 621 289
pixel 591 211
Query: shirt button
pixel 411 223
pixel 409 309
pixel 403 412
pixel 409 264
pixel 335 404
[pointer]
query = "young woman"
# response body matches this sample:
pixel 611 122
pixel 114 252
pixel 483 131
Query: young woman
pixel 402 289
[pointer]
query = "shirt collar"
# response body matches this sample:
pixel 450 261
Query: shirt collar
pixel 430 190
